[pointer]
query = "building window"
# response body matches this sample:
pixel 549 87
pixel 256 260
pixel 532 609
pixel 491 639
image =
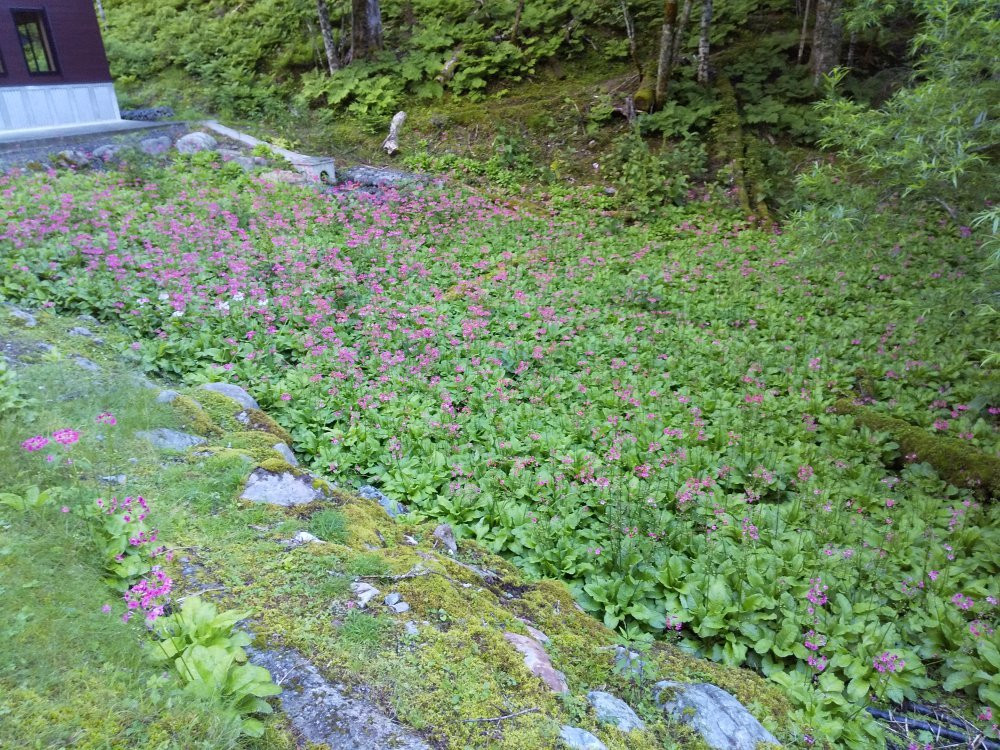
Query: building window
pixel 36 42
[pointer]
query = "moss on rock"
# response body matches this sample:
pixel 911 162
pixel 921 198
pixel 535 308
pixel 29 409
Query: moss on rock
pixel 197 418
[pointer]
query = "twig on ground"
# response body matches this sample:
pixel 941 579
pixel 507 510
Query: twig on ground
pixel 504 717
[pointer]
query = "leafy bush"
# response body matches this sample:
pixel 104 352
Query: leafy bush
pixel 647 180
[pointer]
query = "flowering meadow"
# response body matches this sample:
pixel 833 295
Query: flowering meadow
pixel 644 412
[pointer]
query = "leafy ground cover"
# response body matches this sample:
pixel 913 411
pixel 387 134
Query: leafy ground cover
pixel 78 671
pixel 646 413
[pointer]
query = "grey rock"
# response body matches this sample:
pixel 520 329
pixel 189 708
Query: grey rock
pixel 107 152
pixel 534 632
pixel 166 396
pixel 365 592
pixel 614 711
pixel 377 176
pixel 81 331
pixel 192 143
pixel 237 394
pixel 72 158
pixel 286 453
pixel 579 739
pixel 155 146
pixel 86 364
pixel 24 317
pixel 322 713
pixel 166 439
pixel 392 598
pixel 717 716
pixel 113 479
pixel 411 629
pixel 400 607
pixel 228 154
pixel 285 489
pixel 538 662
pixel 304 537
pixel 90 320
pixel 390 506
pixel 446 536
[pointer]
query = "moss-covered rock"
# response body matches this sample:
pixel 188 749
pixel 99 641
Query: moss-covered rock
pixel 956 461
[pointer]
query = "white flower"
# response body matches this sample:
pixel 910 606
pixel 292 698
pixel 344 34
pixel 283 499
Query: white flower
pixel 177 313
pixel 238 297
pixel 163 297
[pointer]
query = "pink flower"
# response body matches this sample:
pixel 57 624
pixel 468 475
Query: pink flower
pixel 35 443
pixel 106 608
pixel 107 418
pixel 64 509
pixel 286 396
pixel 66 436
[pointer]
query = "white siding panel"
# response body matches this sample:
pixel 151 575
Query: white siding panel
pixel 32 107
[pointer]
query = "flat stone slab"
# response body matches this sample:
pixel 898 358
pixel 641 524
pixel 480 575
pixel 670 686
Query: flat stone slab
pixel 717 716
pixel 323 714
pixel 285 489
pixel 237 394
pixel 166 439
pixel 614 711
pixel 538 662
pixel 579 739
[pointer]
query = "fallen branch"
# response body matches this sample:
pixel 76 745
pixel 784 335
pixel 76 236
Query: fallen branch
pixel 935 729
pixel 504 717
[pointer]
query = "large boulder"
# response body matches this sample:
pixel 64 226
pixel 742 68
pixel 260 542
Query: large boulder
pixel 717 716
pixel 192 143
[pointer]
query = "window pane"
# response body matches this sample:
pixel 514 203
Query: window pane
pixel 35 42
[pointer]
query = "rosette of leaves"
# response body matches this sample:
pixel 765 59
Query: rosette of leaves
pixel 208 656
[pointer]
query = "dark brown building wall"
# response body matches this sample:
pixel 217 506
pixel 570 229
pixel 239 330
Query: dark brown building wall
pixel 76 40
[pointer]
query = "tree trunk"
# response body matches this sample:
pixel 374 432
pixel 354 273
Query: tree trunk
pixel 630 33
pixel 366 29
pixel 681 28
pixel 852 47
pixel 827 34
pixel 517 22
pixel 703 41
pixel 327 33
pixel 805 29
pixel 666 62
pixel 100 13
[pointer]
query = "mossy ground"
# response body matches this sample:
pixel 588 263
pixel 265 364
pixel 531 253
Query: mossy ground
pixel 457 667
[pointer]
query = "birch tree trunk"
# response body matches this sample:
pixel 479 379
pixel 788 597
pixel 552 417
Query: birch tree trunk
pixel 666 62
pixel 827 37
pixel 704 46
pixel 681 28
pixel 324 29
pixel 805 29
pixel 366 28
pixel 100 13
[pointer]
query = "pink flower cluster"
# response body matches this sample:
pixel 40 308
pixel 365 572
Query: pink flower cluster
pixel 149 595
pixel 888 662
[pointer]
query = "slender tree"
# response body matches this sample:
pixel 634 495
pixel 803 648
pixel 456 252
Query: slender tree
pixel 666 61
pixel 681 28
pixel 827 38
pixel 517 22
pixel 805 30
pixel 100 13
pixel 704 45
pixel 324 27
pixel 366 28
